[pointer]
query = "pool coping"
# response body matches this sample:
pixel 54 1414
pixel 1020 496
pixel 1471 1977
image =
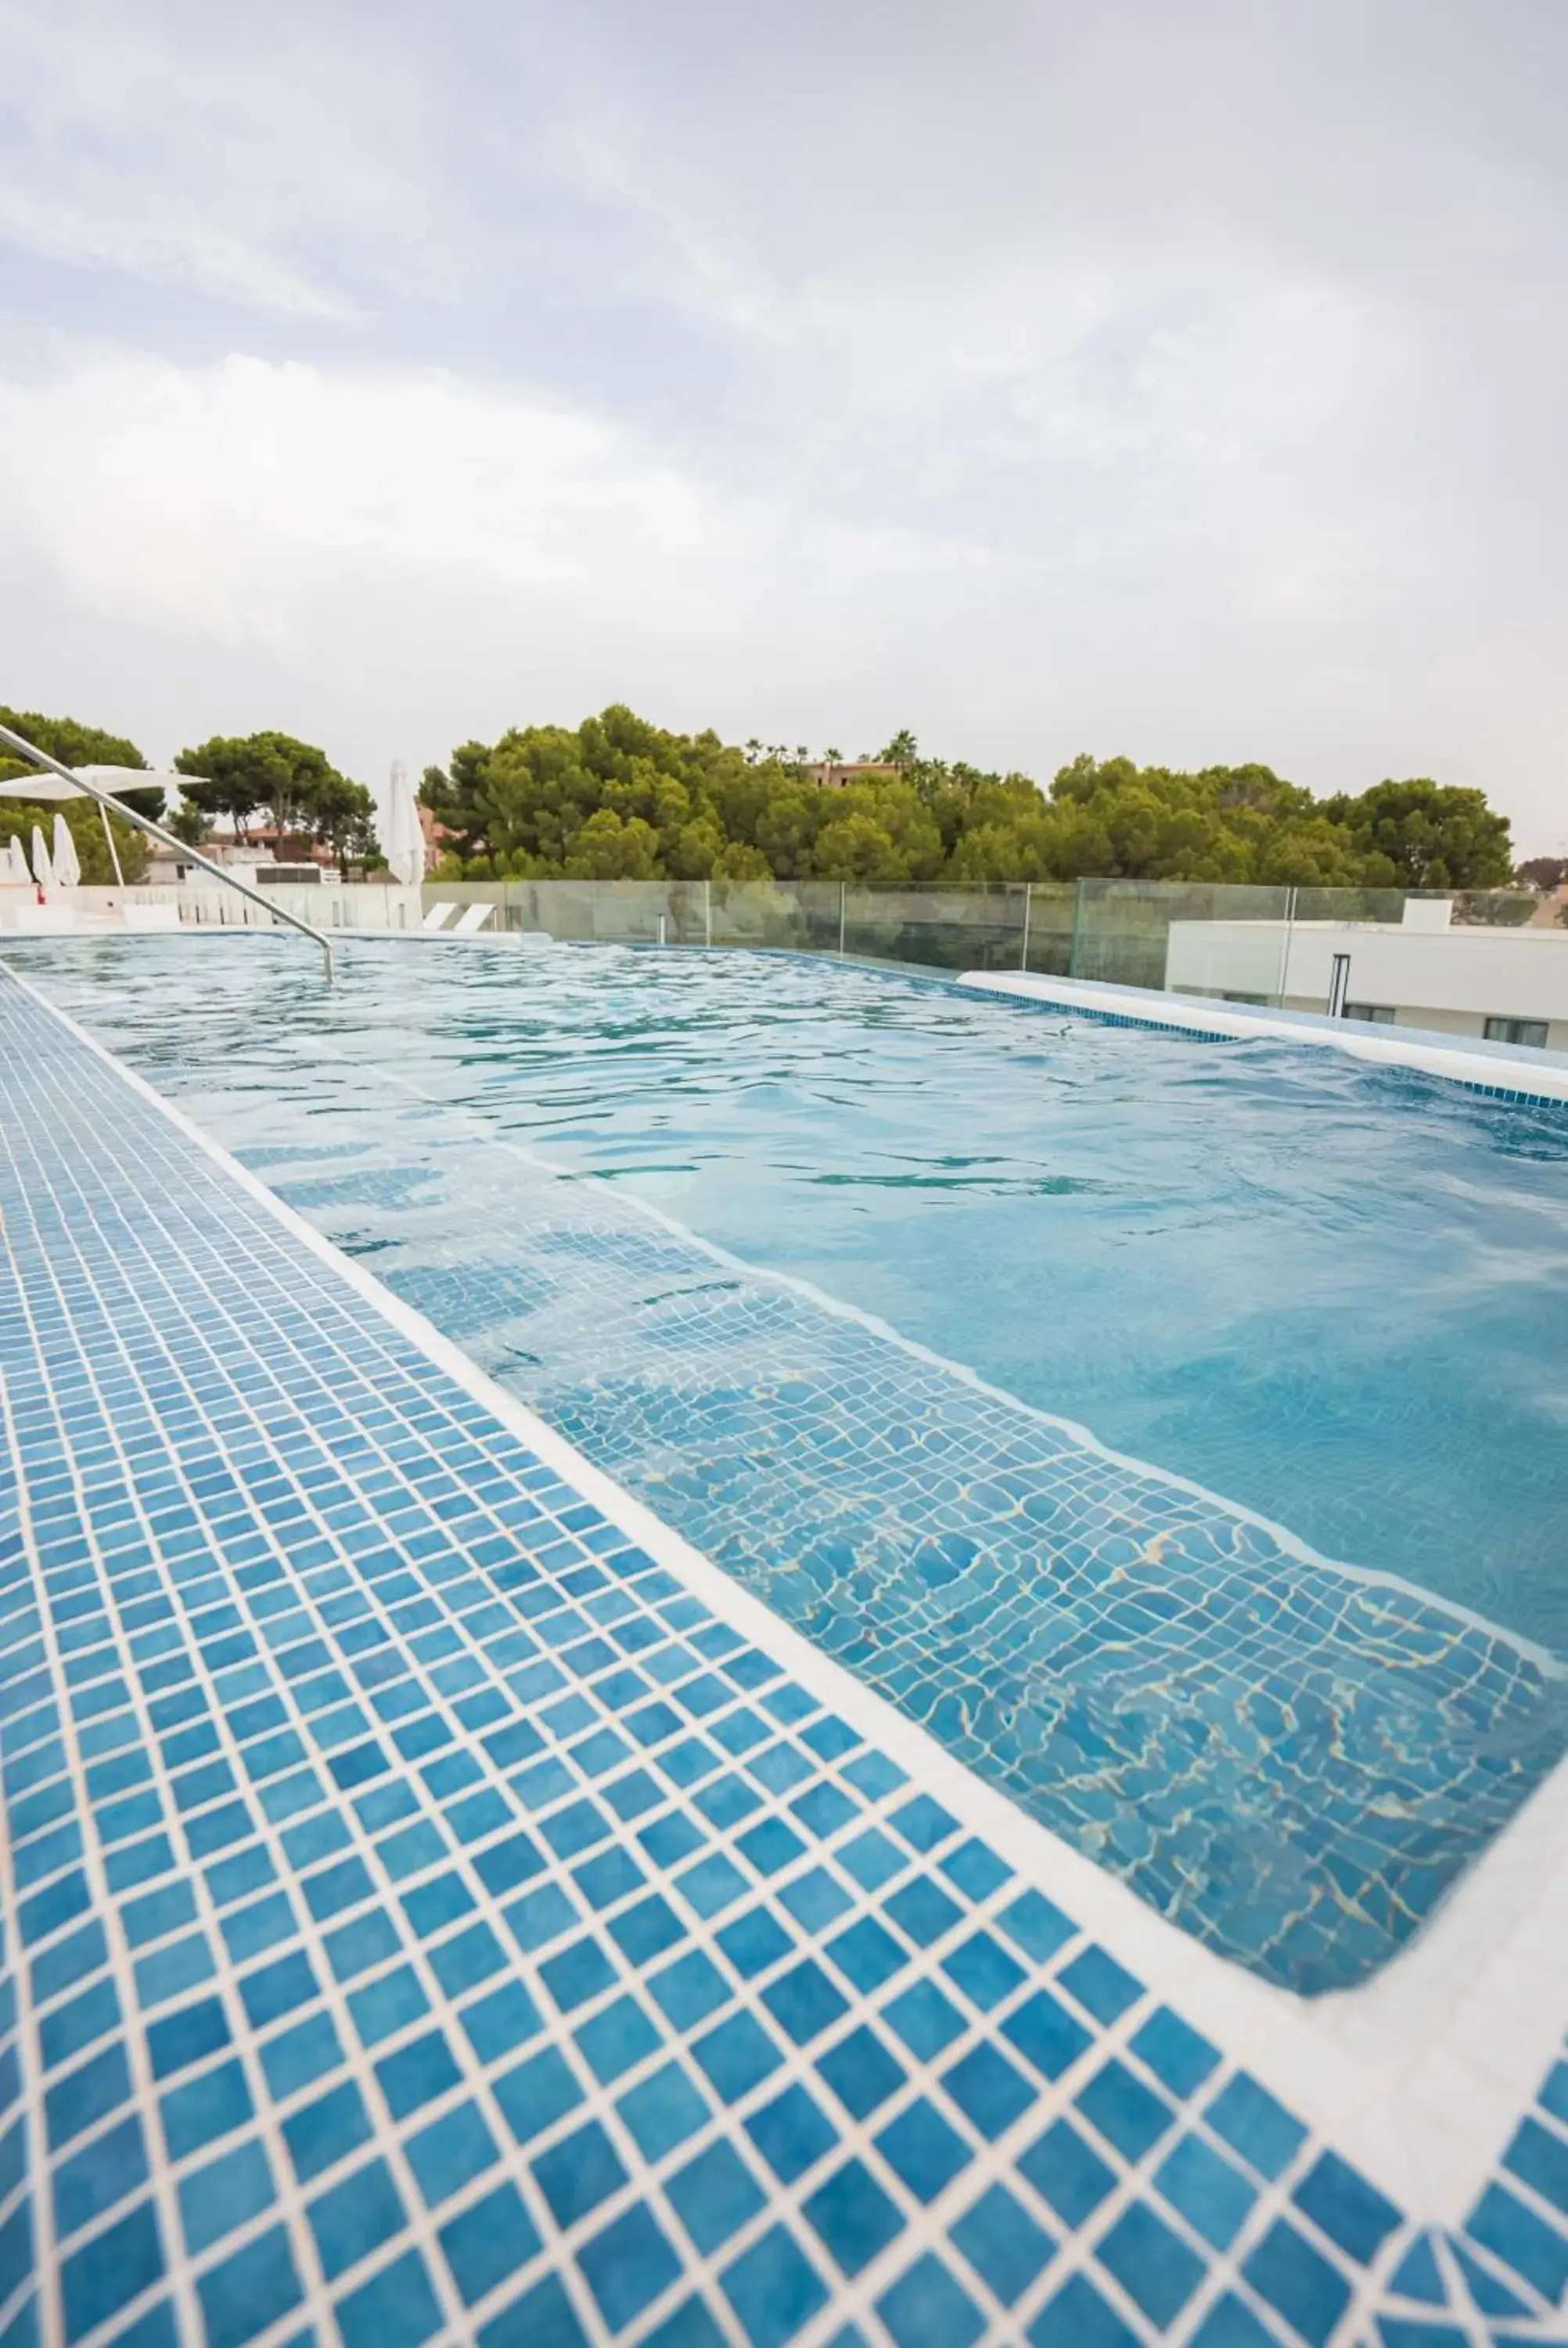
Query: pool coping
pixel 1540 1081
pixel 1418 2075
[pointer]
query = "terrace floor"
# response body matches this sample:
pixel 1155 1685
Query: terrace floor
pixel 439 1905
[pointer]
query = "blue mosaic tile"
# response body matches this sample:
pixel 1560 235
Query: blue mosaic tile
pixel 626 2265
pixel 987 2090
pixel 791 2133
pixel 450 2154
pixel 715 2195
pixel 861 2073
pixel 1006 2247
pixel 355 2217
pixel 854 2217
pixel 576 2175
pixel 1351 2212
pixel 1153 2265
pixel 1254 2125
pixel 1180 2059
pixel 257 2286
pixel 1527 2245
pixel 1213 2197
pixel 1067 2173
pixel 489 2242
pixel 1539 2159
pixel 922 2149
pixel 773 2288
pixel 1078 2317
pixel 1230 2323
pixel 397 2307
pixel 927 2308
pixel 222 2195
pixel 1295 2278
pixel 100 2279
pixel 1102 1987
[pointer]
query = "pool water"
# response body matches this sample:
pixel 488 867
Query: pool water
pixel 943 1322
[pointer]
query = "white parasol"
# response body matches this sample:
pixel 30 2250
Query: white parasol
pixel 404 841
pixel 66 862
pixel 43 870
pixel 14 864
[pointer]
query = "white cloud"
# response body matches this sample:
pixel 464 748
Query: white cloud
pixel 390 560
pixel 1045 378
pixel 356 530
pixel 182 249
pixel 232 155
pixel 242 503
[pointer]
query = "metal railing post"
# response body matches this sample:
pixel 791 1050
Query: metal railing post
pixel 108 843
pixel 107 802
pixel 1027 897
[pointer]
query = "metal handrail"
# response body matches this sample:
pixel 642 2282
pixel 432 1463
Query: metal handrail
pixel 105 799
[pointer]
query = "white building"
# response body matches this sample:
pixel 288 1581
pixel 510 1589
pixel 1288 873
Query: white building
pixel 1510 985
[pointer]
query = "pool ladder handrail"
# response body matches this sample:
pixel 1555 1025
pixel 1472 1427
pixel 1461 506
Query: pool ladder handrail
pixel 106 800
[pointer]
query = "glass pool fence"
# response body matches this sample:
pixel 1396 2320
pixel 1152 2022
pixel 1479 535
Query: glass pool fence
pixel 1195 937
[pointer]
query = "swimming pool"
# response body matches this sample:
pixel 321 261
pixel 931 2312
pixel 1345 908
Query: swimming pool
pixel 834 1243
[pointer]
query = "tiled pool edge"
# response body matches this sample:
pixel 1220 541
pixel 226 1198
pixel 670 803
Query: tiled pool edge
pixel 1477 1999
pixel 1131 1929
pixel 1209 1020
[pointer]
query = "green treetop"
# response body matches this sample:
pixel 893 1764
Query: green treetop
pixel 292 786
pixel 1426 835
pixel 75 745
pixel 617 797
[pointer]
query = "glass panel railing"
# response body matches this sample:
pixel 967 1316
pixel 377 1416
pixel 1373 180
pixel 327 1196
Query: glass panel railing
pixel 1265 945
pixel 1501 909
pixel 1051 925
pixel 941 929
pixel 1124 934
pixel 1381 905
pixel 800 916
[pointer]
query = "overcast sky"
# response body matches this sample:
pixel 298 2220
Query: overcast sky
pixel 1166 376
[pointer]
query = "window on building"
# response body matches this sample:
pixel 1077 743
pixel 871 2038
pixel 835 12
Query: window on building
pixel 1517 1031
pixel 1381 1014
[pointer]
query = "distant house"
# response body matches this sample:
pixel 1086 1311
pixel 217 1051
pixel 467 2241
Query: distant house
pixel 436 835
pixel 265 853
pixel 829 776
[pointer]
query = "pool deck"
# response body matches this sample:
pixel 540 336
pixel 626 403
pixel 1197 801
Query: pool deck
pixel 440 1905
pixel 1502 1069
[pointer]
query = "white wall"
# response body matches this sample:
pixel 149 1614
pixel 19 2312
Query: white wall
pixel 1450 980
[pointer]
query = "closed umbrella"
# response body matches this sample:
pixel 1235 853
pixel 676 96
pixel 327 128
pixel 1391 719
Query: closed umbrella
pixel 43 870
pixel 404 843
pixel 68 864
pixel 14 864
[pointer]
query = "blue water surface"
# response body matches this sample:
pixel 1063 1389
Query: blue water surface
pixel 804 1254
pixel 1335 1293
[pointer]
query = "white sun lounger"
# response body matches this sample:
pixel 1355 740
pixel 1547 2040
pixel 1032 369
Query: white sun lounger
pixel 437 916
pixel 472 918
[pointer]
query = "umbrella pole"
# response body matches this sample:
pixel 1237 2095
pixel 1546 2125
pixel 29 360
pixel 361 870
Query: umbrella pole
pixel 114 852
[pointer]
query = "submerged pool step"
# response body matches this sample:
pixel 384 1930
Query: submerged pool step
pixel 1291 1759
